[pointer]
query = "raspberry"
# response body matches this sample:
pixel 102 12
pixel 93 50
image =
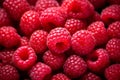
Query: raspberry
pixel 98 30
pixel 29 22
pixel 80 9
pixel 113 48
pixel 58 40
pixel 41 5
pixel 98 60
pixel 40 71
pixel 111 14
pixel 4 18
pixel 9 72
pixel 51 18
pixel 91 76
pixel 32 2
pixel 38 41
pixel 54 61
pixel 114 2
pixel 16 8
pixel 24 41
pixel 83 42
pixel 6 56
pixel 114 30
pixel 74 66
pixel 113 72
pixel 98 3
pixel 73 25
pixel 60 76
pixel 9 37
pixel 24 57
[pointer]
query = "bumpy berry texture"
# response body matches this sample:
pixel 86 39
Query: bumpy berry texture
pixel 16 8
pixel 51 18
pixel 111 14
pixel 60 76
pixel 114 30
pixel 113 72
pixel 9 37
pixel 80 9
pixel 40 70
pixel 38 41
pixel 58 40
pixel 73 25
pixel 24 57
pixel 41 5
pixel 29 22
pixel 113 48
pixel 24 41
pixel 91 76
pixel 8 72
pixel 98 60
pixel 83 42
pixel 98 30
pixel 74 66
pixel 54 61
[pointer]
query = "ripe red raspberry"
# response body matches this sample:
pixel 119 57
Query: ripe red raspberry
pixel 113 48
pixel 58 40
pixel 54 61
pixel 24 41
pixel 73 25
pixel 4 18
pixel 114 2
pixel 114 30
pixel 83 42
pixel 79 9
pixel 9 37
pixel 40 71
pixel 41 5
pixel 8 72
pixel 38 41
pixel 51 18
pixel 111 14
pixel 98 3
pixel 113 72
pixel 98 30
pixel 90 76
pixel 16 8
pixel 29 22
pixel 60 76
pixel 98 60
pixel 74 66
pixel 6 56
pixel 24 57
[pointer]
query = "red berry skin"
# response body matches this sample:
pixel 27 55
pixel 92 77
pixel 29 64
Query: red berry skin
pixel 16 8
pixel 83 42
pixel 24 41
pixel 111 14
pixel 54 61
pixel 114 30
pixel 38 41
pixel 58 40
pixel 73 25
pixel 29 22
pixel 8 72
pixel 113 48
pixel 113 72
pixel 90 76
pixel 98 60
pixel 41 5
pixel 9 37
pixel 6 56
pixel 79 9
pixel 60 76
pixel 4 18
pixel 74 66
pixel 24 57
pixel 98 30
pixel 52 17
pixel 113 2
pixel 40 71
